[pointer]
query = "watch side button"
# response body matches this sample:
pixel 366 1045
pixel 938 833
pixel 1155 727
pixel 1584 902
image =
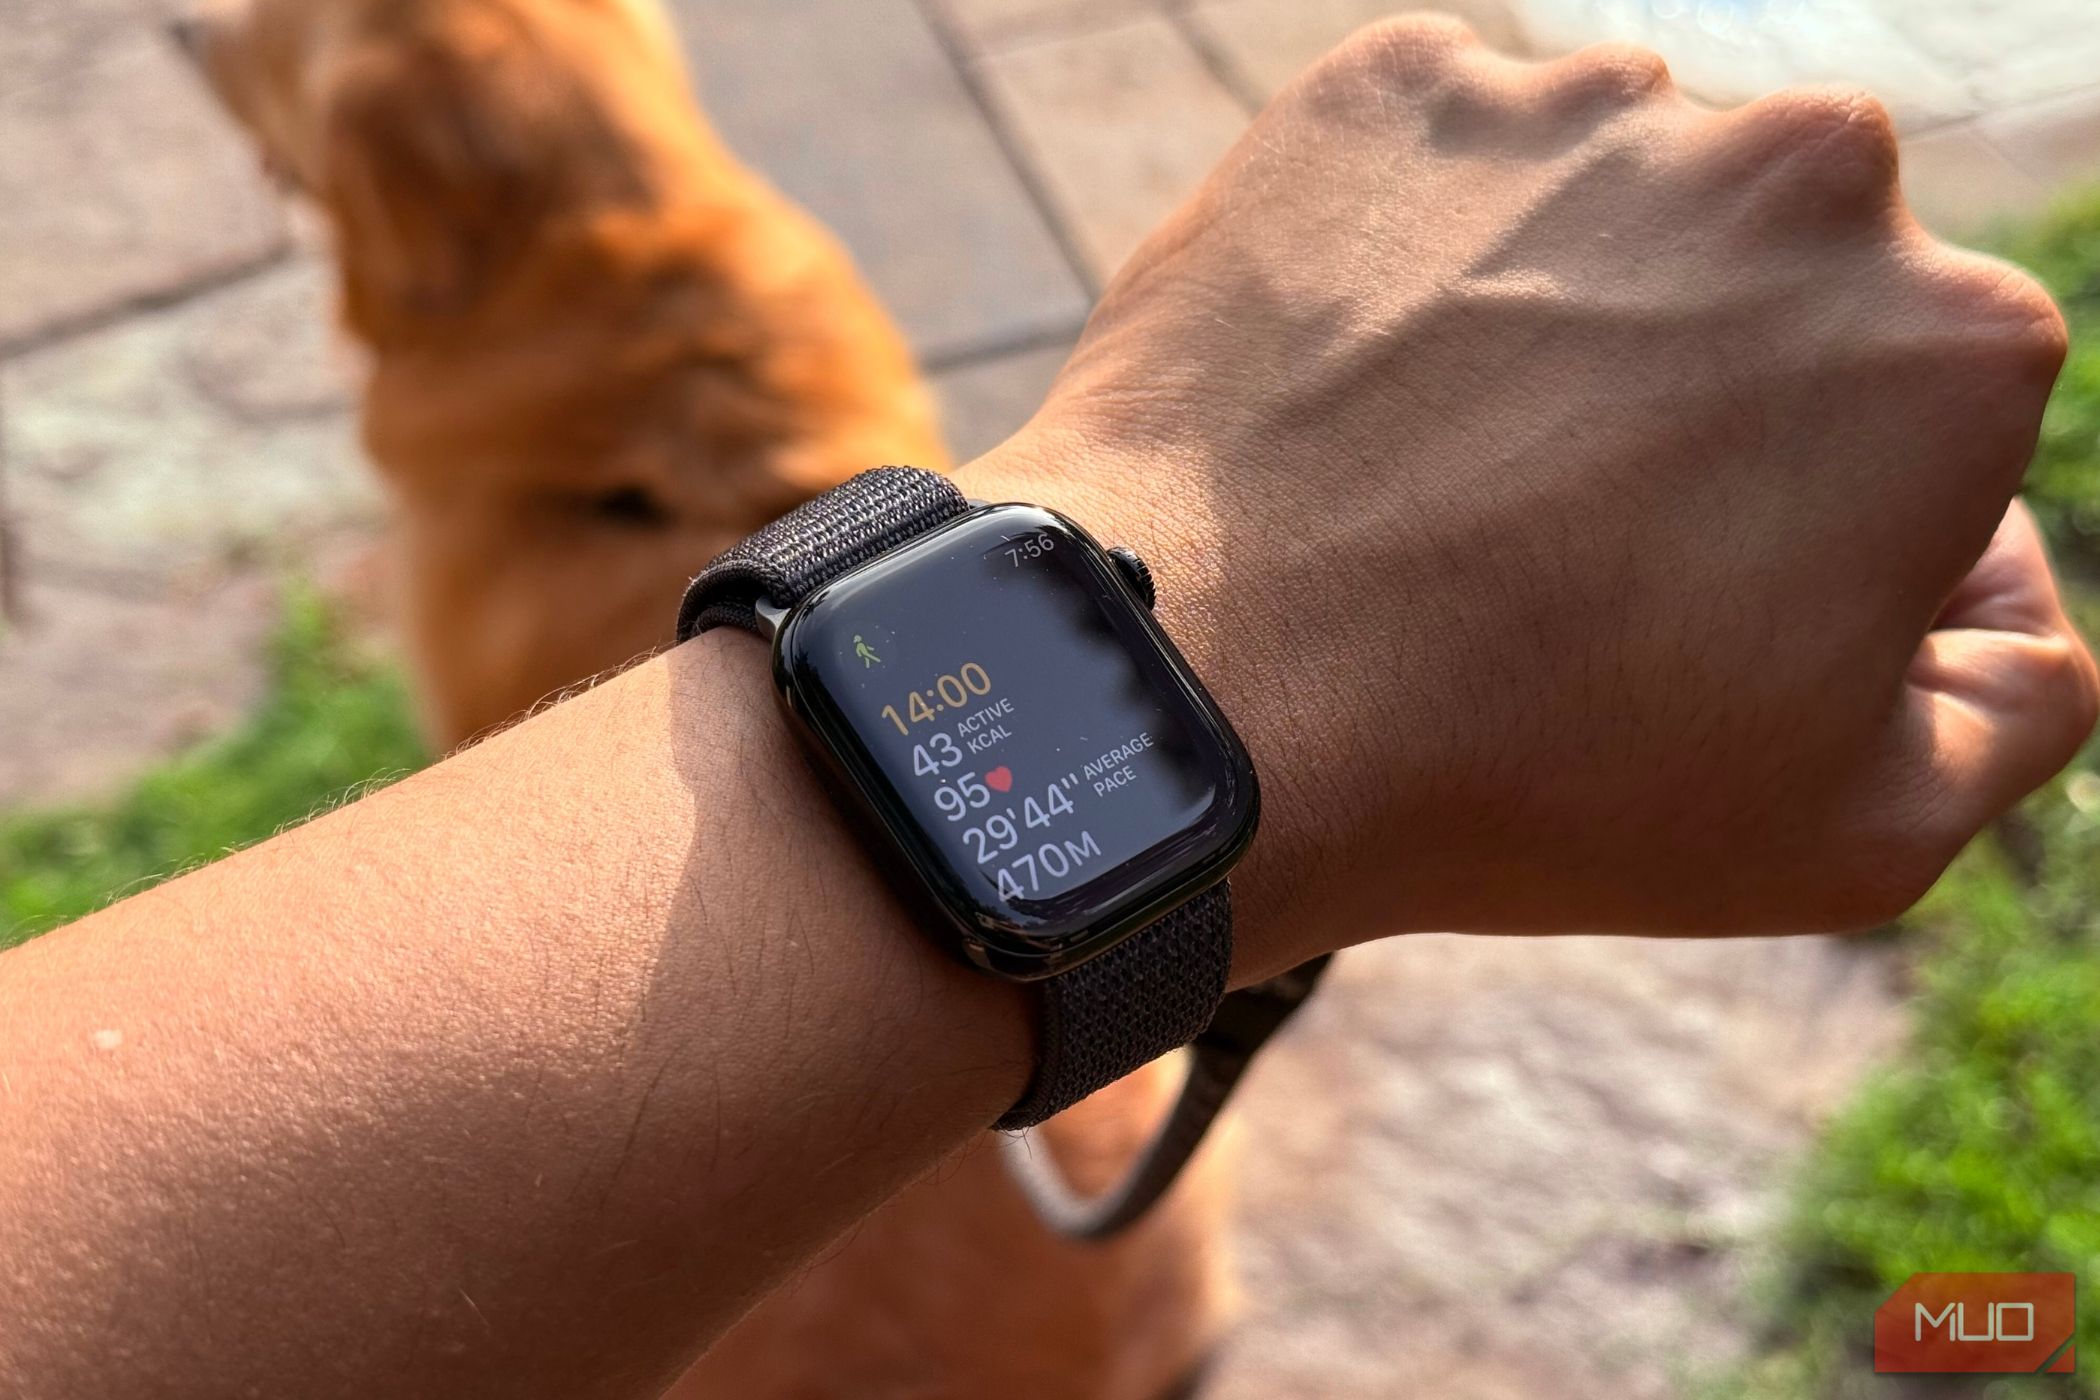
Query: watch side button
pixel 1136 572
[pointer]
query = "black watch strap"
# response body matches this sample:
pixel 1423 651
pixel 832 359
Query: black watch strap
pixel 1154 992
pixel 783 563
pixel 1217 1058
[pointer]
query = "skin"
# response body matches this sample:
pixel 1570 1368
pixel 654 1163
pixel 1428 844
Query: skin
pixel 1592 512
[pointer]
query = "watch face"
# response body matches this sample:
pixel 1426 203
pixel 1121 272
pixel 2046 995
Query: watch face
pixel 1002 705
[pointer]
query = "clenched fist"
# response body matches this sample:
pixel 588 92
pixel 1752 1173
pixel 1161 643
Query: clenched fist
pixel 1592 510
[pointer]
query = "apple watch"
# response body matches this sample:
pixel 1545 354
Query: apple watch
pixel 1048 784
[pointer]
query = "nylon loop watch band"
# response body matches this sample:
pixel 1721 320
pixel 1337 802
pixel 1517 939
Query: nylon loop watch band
pixel 815 542
pixel 1150 994
pixel 1161 988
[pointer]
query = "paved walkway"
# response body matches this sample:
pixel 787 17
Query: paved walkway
pixel 1480 1168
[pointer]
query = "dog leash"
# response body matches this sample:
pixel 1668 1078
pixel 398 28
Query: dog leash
pixel 1217 1059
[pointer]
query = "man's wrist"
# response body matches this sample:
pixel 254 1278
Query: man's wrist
pixel 1127 506
pixel 989 1013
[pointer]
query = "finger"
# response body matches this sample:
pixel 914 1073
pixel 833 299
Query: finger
pixel 1598 82
pixel 2011 588
pixel 1997 699
pixel 2002 712
pixel 2006 340
pixel 2002 692
pixel 1817 160
pixel 1409 51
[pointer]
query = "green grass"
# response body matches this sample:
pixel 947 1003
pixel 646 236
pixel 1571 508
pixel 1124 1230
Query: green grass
pixel 2064 482
pixel 332 722
pixel 1979 1148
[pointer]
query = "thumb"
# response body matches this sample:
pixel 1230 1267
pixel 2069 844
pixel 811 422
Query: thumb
pixel 2002 692
pixel 1997 714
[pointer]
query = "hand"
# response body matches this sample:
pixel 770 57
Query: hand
pixel 1569 494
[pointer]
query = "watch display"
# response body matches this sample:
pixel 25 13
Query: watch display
pixel 996 696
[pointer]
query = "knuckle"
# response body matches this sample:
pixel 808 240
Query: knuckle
pixel 1820 116
pixel 2071 680
pixel 1999 344
pixel 2021 317
pixel 1406 49
pixel 1625 73
pixel 1844 137
pixel 2044 334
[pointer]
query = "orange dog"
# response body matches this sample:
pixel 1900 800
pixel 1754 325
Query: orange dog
pixel 601 352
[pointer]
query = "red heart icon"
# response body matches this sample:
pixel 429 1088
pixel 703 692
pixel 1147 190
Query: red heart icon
pixel 1000 779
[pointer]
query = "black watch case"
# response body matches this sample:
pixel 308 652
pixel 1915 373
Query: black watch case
pixel 996 699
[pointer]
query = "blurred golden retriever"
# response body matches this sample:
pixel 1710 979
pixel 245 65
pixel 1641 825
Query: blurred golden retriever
pixel 601 352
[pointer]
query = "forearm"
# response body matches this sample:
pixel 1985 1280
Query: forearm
pixel 525 1076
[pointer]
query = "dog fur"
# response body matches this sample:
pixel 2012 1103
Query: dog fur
pixel 602 351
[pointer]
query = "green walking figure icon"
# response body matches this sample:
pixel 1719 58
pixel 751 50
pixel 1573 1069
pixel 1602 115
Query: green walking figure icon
pixel 865 652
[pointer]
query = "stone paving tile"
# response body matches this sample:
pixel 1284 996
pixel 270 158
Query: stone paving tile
pixel 97 682
pixel 44 41
pixel 2005 54
pixel 852 108
pixel 1121 125
pixel 185 436
pixel 1962 186
pixel 1847 45
pixel 1268 44
pixel 1932 61
pixel 118 180
pixel 982 404
pixel 995 24
pixel 1486 1168
pixel 2057 142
